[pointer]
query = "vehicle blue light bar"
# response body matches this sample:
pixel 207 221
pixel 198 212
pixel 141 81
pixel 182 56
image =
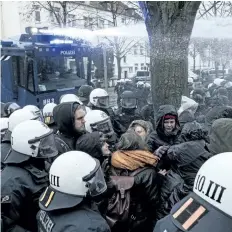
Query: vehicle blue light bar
pixel 59 41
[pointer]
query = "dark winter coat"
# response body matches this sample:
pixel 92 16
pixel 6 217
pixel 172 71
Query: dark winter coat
pixel 79 218
pixel 91 144
pixel 221 136
pixel 158 137
pixel 21 187
pixel 187 158
pixel 144 200
pixel 216 113
pixel 64 118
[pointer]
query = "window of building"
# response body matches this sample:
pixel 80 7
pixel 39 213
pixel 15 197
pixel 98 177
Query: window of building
pixel 56 10
pixel 136 67
pixel 72 20
pixel 141 50
pixel 124 59
pixel 88 22
pixel 101 23
pixel 37 16
pixel 123 20
pixel 130 69
pixel 135 50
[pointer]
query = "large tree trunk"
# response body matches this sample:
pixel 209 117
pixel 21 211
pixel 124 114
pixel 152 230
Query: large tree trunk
pixel 119 67
pixel 169 26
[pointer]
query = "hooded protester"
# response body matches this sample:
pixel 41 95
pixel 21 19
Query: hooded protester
pixel 141 128
pixel 220 136
pixel 167 130
pixel 69 118
pixel 186 158
pixel 216 113
pixel 94 144
pixel 132 156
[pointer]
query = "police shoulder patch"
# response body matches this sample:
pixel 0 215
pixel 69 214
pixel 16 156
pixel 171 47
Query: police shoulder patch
pixel 5 199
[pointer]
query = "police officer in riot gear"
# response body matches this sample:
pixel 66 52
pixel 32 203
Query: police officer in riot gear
pixel 99 100
pixel 70 98
pixel 24 177
pixel 97 120
pixel 9 108
pixel 48 116
pixel 35 110
pixel 127 113
pixel 15 118
pixel 84 93
pixel 67 204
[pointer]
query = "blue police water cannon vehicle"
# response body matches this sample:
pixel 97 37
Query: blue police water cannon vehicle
pixel 40 67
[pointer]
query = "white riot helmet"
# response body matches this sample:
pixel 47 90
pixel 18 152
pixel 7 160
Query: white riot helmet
pixel 209 207
pixel 16 118
pixel 140 84
pixel 100 98
pixel 70 98
pixel 97 120
pixel 68 188
pixel 218 81
pixel 31 139
pixel 4 125
pixel 48 113
pixel 190 80
pixel 35 110
pixel 147 85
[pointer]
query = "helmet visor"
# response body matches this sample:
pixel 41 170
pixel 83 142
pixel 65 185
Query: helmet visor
pixel 47 147
pixel 104 126
pixel 96 181
pixel 103 102
pixel 48 120
pixel 129 103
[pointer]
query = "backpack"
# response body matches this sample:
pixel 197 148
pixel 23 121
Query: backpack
pixel 118 207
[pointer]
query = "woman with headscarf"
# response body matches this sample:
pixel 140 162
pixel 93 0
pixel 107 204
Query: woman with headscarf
pixel 132 155
pixel 141 128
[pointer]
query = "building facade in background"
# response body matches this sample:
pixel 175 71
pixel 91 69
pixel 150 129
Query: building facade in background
pixel 16 16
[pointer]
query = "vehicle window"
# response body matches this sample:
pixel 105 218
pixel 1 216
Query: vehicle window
pixel 30 73
pixel 59 72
